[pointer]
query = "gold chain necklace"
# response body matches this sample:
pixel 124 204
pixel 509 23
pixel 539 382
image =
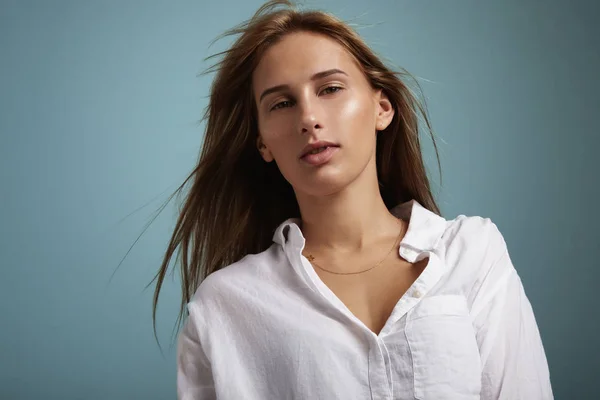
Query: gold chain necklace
pixel 311 259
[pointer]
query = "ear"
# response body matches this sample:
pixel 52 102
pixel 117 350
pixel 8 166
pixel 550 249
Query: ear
pixel 263 150
pixel 384 111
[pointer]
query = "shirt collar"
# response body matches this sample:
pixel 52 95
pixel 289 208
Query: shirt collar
pixel 425 228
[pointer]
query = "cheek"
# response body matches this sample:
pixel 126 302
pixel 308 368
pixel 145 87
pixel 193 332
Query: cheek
pixel 274 135
pixel 280 141
pixel 356 117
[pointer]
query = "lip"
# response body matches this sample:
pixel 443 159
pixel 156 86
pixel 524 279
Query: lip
pixel 316 145
pixel 320 158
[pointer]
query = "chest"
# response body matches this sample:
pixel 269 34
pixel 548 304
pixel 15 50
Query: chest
pixel 372 296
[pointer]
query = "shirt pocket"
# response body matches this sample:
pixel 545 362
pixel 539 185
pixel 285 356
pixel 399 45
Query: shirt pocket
pixel 445 354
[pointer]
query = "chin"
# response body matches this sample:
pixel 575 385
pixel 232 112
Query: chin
pixel 323 185
pixel 323 181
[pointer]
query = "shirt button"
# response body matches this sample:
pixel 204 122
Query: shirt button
pixel 417 294
pixel 406 252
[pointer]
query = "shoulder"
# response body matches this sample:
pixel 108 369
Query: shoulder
pixel 224 287
pixel 473 229
pixel 237 297
pixel 472 242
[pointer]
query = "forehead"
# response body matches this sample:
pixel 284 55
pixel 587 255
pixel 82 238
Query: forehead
pixel 297 56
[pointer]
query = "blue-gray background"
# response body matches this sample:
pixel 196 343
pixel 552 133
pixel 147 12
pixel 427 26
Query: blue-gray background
pixel 99 104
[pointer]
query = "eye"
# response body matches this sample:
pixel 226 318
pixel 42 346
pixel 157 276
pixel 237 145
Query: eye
pixel 282 104
pixel 331 89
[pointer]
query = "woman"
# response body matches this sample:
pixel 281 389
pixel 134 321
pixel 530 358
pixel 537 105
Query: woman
pixel 320 267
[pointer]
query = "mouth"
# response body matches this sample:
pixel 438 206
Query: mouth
pixel 320 155
pixel 317 151
pixel 317 148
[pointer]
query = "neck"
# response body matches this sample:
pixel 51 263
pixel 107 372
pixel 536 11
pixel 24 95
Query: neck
pixel 349 220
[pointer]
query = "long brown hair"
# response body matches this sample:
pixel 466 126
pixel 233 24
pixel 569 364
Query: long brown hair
pixel 236 200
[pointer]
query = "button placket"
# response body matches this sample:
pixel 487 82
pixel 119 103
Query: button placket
pixel 378 375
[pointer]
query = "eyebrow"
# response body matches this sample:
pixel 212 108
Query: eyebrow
pixel 318 75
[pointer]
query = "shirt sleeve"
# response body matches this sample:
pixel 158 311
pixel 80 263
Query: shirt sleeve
pixel 194 374
pixel 514 364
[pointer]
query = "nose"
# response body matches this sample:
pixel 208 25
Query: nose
pixel 310 116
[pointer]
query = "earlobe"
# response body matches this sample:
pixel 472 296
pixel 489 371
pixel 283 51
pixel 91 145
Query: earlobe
pixel 264 152
pixel 385 111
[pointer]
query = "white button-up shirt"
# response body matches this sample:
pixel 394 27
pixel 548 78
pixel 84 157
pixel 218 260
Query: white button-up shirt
pixel 267 327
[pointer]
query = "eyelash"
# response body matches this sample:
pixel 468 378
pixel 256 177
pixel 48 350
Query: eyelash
pixel 276 106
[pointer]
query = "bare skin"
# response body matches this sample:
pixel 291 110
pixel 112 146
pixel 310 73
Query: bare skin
pixel 371 296
pixel 345 222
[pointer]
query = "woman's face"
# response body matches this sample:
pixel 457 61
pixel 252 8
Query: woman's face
pixel 309 89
